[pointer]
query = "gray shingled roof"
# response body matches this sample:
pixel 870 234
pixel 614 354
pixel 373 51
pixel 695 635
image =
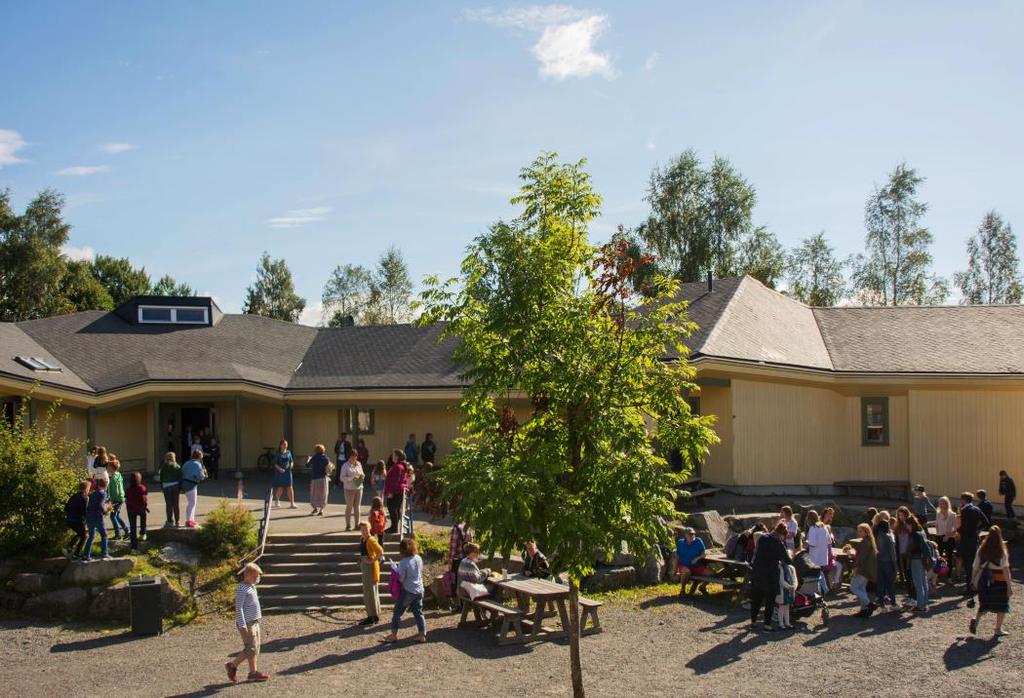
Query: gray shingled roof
pixel 16 342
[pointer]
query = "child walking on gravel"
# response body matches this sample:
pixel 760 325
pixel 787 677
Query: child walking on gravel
pixel 247 620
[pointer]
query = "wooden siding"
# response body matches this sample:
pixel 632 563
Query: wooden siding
pixel 718 468
pixel 961 439
pixel 128 433
pixel 262 425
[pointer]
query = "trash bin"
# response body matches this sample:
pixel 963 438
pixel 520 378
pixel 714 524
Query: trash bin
pixel 144 594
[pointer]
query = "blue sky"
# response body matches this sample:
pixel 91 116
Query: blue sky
pixel 193 136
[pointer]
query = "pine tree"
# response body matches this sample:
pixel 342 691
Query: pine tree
pixel 273 293
pixel 993 268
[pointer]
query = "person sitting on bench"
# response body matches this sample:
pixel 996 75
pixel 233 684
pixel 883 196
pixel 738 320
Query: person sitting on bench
pixel 469 571
pixel 534 562
pixel 690 551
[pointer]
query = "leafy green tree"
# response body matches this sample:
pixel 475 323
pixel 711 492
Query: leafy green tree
pixel 993 268
pixel 896 266
pixel 32 267
pixel 815 274
pixel 81 290
pixel 643 265
pixel 167 286
pixel 698 216
pixel 36 479
pixel 351 291
pixel 539 312
pixel 761 255
pixel 393 302
pixel 273 293
pixel 122 280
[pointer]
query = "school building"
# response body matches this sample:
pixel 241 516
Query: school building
pixel 804 397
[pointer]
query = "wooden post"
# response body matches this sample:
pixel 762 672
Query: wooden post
pixel 90 428
pixel 575 666
pixel 238 437
pixel 158 435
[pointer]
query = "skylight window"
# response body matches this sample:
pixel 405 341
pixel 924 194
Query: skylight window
pixel 37 364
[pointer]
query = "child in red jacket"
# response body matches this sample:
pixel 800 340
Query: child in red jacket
pixel 137 502
pixel 378 519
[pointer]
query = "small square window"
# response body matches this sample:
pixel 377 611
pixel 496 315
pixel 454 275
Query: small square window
pixel 875 421
pixel 191 315
pixel 154 314
pixel 363 419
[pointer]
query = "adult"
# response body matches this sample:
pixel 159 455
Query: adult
pixel 428 449
pixel 284 464
pixel 342 447
pixel 885 582
pixel 865 569
pixel 395 485
pixel 972 523
pixel 920 505
pixel 319 479
pixel 469 570
pixel 410 575
pixel 819 547
pixel 460 534
pixel 1008 489
pixel 986 506
pixel 352 482
pixel 945 530
pixel 769 553
pixel 170 485
pixel 213 458
pixel 534 562
pixel 690 552
pixel 990 575
pixel 192 473
pixel 363 453
pixel 370 555
pixel 99 467
pixel 786 517
pixel 920 562
pixel 834 572
pixel 901 530
pixel 411 450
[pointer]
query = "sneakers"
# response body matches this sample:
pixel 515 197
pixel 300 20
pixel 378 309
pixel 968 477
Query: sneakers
pixel 232 672
pixel 169 524
pixel 276 504
pixel 190 524
pixel 366 621
pixel 1001 633
pixel 320 513
pixel 143 537
pixel 258 676
pixel 106 558
pixel 294 506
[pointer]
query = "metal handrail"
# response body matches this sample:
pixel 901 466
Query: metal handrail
pixel 405 527
pixel 257 553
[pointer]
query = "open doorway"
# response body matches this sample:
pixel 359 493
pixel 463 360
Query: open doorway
pixel 196 422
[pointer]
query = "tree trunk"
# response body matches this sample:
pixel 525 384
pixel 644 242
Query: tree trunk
pixel 576 668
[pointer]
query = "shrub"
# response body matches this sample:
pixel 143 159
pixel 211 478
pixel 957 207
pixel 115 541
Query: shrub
pixel 228 531
pixel 36 479
pixel 432 546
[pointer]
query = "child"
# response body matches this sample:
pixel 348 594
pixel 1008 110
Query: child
pixel 137 500
pixel 95 511
pixel 786 595
pixel 379 473
pixel 115 491
pixel 74 514
pixel 378 519
pixel 938 566
pixel 247 620
pixel 786 517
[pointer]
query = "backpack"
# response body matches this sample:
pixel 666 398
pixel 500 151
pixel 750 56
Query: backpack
pixel 395 583
pixel 734 545
pixel 984 579
pixel 448 583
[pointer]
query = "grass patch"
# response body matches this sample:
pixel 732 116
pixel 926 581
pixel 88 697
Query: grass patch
pixel 637 595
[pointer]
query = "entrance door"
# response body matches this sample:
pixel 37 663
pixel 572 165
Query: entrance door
pixel 195 421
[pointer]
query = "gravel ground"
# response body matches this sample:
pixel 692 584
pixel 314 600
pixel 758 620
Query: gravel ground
pixel 655 647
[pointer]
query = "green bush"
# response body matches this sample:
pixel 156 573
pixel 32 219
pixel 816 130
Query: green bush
pixel 435 546
pixel 228 531
pixel 37 476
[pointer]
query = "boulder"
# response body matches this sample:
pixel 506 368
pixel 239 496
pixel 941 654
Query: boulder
pixel 741 522
pixel 113 603
pixel 160 536
pixel 653 568
pixel 623 558
pixel 180 554
pixel 63 603
pixel 671 566
pixel 171 599
pixel 712 522
pixel 32 582
pixel 48 565
pixel 608 578
pixel 9 601
pixel 7 568
pixel 96 571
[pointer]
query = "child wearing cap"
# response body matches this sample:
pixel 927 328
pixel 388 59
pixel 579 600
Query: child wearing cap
pixel 921 505
pixel 247 620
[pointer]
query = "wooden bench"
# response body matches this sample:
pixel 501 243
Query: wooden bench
pixel 875 489
pixel 589 607
pixel 699 583
pixel 511 618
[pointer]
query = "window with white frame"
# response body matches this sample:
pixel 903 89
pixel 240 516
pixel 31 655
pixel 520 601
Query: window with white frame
pixel 174 315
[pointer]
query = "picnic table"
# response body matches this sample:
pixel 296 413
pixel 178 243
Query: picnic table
pixel 733 575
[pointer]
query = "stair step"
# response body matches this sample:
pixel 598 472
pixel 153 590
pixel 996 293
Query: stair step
pixel 314 599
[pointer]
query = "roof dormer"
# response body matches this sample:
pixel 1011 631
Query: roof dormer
pixel 186 311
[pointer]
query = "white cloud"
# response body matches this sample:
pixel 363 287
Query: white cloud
pixel 651 61
pixel 83 170
pixel 10 143
pixel 651 145
pixel 117 148
pixel 82 254
pixel 565 47
pixel 299 216
pixel 312 314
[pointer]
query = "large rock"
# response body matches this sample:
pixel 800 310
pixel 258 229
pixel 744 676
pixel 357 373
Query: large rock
pixel 652 570
pixel 48 565
pixel 712 522
pixel 63 603
pixel 32 582
pixel 671 566
pixel 180 554
pixel 608 578
pixel 171 599
pixel 96 571
pixel 113 603
pixel 161 536
pixel 741 522
pixel 9 601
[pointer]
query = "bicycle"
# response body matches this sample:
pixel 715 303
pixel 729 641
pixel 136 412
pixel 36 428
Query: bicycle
pixel 265 461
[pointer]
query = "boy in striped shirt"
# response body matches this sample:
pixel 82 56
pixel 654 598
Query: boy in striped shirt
pixel 247 620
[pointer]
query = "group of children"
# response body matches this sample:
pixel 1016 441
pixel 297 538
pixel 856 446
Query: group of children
pixel 104 494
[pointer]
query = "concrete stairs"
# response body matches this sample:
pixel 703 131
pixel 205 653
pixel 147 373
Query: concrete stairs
pixel 303 572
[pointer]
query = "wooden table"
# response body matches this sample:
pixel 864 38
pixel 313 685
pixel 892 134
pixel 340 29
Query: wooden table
pixel 541 592
pixel 722 566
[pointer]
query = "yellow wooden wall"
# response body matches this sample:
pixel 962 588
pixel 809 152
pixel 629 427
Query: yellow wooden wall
pixel 859 462
pixel 262 425
pixel 718 468
pixel 311 426
pixel 961 439
pixel 393 426
pixel 226 435
pixel 128 433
